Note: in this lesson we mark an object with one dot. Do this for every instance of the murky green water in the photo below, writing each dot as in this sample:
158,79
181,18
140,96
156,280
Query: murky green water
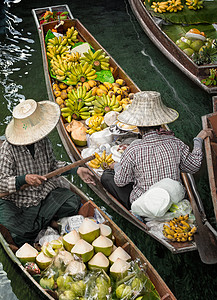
114,26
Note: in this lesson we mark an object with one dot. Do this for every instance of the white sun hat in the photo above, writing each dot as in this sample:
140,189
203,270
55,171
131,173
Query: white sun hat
32,121
147,109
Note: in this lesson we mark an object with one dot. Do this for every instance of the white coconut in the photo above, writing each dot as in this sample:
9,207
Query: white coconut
70,239
63,258
119,268
26,253
89,230
43,261
119,253
103,244
83,249
75,267
99,261
105,230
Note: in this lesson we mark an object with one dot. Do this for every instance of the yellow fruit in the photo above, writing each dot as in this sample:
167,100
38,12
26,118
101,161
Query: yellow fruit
100,92
69,89
57,93
59,100
64,94
63,86
56,87
86,84
92,83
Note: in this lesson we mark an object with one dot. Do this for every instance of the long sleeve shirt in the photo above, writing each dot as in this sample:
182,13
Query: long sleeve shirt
153,158
16,161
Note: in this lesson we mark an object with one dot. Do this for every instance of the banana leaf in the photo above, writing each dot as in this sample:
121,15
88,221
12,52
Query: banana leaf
175,32
205,15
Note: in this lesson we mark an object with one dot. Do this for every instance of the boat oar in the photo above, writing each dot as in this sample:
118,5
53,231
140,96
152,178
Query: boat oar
58,171
204,237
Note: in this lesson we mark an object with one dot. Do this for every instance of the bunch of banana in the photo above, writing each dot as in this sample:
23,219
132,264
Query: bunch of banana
179,230
104,104
71,36
96,124
71,56
79,72
75,110
159,7
98,59
174,6
81,95
103,161
194,4
54,50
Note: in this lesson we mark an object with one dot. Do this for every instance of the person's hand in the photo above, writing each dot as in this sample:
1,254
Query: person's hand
205,133
34,179
86,175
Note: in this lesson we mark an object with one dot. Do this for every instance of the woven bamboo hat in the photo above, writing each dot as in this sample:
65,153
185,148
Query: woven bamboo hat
147,109
32,121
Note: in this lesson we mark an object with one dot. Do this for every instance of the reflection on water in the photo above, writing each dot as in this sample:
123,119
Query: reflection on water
15,52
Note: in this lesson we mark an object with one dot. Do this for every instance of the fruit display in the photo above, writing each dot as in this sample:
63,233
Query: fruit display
194,4
50,16
174,6
102,161
179,229
211,80
86,264
96,123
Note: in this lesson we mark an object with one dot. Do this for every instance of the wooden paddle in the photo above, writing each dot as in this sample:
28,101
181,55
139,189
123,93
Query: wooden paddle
58,171
205,238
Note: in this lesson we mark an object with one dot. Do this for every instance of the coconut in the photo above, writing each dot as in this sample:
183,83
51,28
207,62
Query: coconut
103,244
63,258
98,261
89,230
119,268
26,253
43,261
83,249
119,253
75,267
70,239
105,230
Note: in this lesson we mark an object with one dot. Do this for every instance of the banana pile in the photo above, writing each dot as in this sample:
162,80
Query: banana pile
58,45
81,95
167,6
96,124
101,161
194,4
104,104
75,110
179,230
98,59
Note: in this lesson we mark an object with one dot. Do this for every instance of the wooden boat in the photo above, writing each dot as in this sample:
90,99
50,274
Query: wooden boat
74,151
121,239
150,26
210,121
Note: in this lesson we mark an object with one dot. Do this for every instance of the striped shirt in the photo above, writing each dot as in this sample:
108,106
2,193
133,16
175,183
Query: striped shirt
17,161
154,157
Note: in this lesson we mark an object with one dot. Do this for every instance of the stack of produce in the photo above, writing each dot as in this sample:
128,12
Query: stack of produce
77,130
179,229
95,124
103,161
85,264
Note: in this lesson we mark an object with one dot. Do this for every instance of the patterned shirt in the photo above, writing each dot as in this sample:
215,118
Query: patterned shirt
154,157
18,161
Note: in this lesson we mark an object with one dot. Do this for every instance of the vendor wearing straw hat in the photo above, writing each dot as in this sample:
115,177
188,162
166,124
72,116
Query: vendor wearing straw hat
154,157
24,157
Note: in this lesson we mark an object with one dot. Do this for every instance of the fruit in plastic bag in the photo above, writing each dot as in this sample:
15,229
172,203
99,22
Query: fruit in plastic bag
124,291
64,282
78,288
47,283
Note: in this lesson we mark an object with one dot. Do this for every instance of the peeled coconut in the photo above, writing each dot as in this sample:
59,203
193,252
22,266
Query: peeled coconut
105,230
119,268
119,253
26,253
83,249
89,230
43,261
70,239
63,258
103,244
75,267
98,261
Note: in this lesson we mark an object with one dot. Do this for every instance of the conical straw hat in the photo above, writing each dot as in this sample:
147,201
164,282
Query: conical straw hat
32,121
147,109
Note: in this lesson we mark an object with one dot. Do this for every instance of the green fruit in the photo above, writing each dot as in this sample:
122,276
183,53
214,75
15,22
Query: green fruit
124,292
196,45
64,282
78,288
182,45
188,51
67,295
136,284
47,283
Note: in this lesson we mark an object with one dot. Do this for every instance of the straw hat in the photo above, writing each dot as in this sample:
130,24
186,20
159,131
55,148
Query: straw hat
32,121
147,109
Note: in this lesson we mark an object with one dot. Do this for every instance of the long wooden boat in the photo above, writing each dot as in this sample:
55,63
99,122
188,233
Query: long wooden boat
210,121
89,208
151,27
74,151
